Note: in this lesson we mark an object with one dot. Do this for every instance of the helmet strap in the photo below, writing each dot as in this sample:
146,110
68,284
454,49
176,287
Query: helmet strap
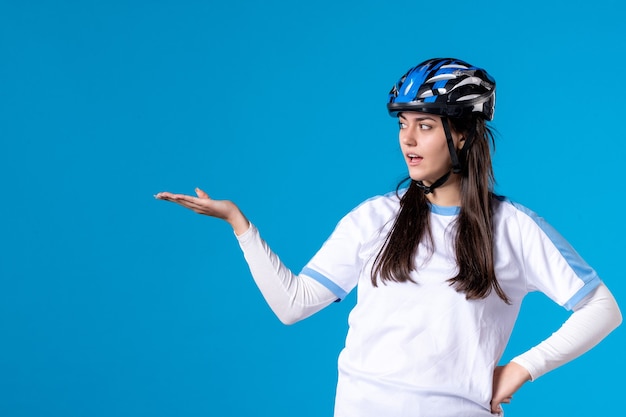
456,166
430,188
457,162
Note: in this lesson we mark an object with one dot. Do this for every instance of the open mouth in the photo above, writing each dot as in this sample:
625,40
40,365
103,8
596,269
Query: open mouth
413,157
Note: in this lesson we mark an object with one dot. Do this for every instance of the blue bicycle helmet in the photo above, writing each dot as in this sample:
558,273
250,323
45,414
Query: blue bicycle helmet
444,86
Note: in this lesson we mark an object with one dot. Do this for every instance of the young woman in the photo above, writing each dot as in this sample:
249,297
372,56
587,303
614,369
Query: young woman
440,267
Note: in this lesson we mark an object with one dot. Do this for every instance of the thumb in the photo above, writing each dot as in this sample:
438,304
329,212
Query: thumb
201,194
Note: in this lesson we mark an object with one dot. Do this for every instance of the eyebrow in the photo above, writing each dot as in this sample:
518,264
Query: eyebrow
419,119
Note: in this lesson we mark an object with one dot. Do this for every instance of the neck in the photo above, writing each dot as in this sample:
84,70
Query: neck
449,194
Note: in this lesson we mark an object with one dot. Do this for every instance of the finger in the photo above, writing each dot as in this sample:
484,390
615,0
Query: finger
199,205
162,195
171,196
182,199
201,194
185,201
167,197
496,408
189,206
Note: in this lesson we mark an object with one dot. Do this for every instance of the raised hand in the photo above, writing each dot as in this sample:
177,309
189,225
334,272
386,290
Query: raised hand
203,204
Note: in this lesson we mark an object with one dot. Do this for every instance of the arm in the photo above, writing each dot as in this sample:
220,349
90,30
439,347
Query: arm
291,297
594,317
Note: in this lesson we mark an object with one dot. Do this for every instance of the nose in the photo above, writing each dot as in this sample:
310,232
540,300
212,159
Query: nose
408,137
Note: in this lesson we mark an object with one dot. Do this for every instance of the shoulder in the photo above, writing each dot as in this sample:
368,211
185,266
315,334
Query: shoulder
373,214
385,202
510,215
377,208
507,209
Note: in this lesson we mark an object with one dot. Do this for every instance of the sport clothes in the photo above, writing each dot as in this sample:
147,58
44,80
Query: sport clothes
593,319
423,347
415,348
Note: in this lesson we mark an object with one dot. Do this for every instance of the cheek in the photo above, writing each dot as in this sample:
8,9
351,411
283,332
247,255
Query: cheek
443,158
437,147
440,155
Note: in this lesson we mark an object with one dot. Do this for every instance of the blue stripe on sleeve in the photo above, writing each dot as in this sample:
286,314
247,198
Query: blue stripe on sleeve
585,272
582,293
334,288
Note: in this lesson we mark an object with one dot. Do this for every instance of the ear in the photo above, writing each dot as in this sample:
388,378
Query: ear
460,143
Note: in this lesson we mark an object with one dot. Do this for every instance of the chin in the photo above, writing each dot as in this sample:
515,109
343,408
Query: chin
416,176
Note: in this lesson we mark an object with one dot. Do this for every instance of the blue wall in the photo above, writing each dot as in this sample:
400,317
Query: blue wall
114,304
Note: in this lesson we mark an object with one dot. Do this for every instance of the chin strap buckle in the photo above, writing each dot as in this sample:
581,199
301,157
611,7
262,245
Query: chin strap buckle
429,189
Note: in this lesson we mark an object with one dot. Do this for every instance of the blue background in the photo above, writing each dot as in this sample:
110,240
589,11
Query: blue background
112,303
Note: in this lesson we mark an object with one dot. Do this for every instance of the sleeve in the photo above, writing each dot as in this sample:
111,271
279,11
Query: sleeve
551,264
291,298
341,259
593,319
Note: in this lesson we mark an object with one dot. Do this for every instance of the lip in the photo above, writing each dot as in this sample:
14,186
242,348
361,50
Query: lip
413,159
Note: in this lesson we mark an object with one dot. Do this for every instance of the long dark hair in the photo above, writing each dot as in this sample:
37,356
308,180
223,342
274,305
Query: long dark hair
474,225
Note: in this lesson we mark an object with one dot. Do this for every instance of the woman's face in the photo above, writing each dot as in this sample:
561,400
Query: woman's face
424,146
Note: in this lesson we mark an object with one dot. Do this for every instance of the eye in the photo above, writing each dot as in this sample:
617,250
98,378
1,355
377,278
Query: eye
402,125
424,126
